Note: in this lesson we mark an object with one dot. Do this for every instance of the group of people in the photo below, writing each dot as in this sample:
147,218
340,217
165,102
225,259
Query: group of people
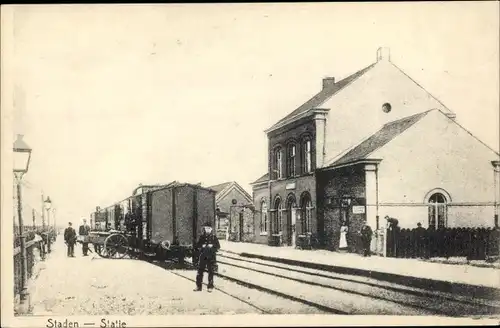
366,238
366,234
208,245
71,238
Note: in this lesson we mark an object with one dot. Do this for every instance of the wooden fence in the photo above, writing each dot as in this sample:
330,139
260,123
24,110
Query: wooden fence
473,243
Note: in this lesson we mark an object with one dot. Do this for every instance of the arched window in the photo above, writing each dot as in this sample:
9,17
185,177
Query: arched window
437,210
263,216
306,156
306,213
278,216
291,159
278,163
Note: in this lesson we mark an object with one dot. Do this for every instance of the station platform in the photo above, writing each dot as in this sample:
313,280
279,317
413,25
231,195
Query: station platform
416,272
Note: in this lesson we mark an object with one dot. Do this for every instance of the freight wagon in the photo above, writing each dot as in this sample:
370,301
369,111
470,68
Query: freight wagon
163,222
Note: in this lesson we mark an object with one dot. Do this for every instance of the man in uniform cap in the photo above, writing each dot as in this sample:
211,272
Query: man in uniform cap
84,231
70,239
207,246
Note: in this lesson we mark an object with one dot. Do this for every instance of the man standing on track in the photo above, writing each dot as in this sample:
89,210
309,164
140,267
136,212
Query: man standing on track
70,239
207,247
84,231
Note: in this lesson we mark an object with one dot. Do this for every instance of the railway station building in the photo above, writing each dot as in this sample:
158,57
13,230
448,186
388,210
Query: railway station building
371,145
233,212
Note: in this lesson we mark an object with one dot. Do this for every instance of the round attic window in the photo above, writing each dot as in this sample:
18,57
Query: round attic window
234,201
386,108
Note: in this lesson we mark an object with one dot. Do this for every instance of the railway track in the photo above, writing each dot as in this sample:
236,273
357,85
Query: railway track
243,297
358,295
332,293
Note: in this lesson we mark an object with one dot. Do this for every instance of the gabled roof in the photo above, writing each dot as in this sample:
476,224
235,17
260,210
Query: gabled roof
331,90
388,132
321,97
263,178
218,188
224,188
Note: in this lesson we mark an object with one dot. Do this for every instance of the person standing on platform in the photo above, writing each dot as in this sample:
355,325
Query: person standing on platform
366,238
207,247
420,241
84,231
70,239
343,237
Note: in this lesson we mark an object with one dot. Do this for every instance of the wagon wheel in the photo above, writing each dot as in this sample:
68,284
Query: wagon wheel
115,246
100,250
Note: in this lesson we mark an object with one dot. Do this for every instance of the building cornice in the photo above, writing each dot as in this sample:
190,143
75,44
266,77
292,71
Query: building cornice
356,162
293,119
261,183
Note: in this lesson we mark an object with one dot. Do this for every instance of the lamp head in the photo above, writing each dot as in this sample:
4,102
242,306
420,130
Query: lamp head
48,203
22,156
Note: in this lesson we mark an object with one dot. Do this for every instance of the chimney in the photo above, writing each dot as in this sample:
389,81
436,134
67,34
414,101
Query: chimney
328,82
383,54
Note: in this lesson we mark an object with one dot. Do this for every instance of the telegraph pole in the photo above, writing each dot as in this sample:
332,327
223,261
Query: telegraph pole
33,213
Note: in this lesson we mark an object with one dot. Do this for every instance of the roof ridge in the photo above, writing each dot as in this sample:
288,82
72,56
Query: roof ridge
364,139
409,116
360,72
348,149
404,128
470,133
334,89
259,178
222,183
421,87
230,185
401,132
246,193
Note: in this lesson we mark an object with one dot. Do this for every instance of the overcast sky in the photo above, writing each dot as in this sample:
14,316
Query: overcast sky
112,96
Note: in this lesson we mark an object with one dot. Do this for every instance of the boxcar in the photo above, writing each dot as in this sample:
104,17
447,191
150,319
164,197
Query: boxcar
163,222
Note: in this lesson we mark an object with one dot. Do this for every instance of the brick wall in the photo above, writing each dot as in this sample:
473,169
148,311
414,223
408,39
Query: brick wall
332,185
242,224
294,189
260,193
226,202
293,132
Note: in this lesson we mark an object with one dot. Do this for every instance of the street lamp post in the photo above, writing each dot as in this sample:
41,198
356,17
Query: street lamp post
48,205
55,221
22,156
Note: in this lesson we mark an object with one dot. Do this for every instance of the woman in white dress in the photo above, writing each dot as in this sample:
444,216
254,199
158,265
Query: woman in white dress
343,237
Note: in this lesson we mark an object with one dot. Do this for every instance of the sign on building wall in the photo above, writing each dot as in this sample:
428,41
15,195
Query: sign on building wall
290,186
358,210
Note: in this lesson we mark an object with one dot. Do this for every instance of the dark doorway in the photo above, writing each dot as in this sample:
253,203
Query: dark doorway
290,221
241,226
